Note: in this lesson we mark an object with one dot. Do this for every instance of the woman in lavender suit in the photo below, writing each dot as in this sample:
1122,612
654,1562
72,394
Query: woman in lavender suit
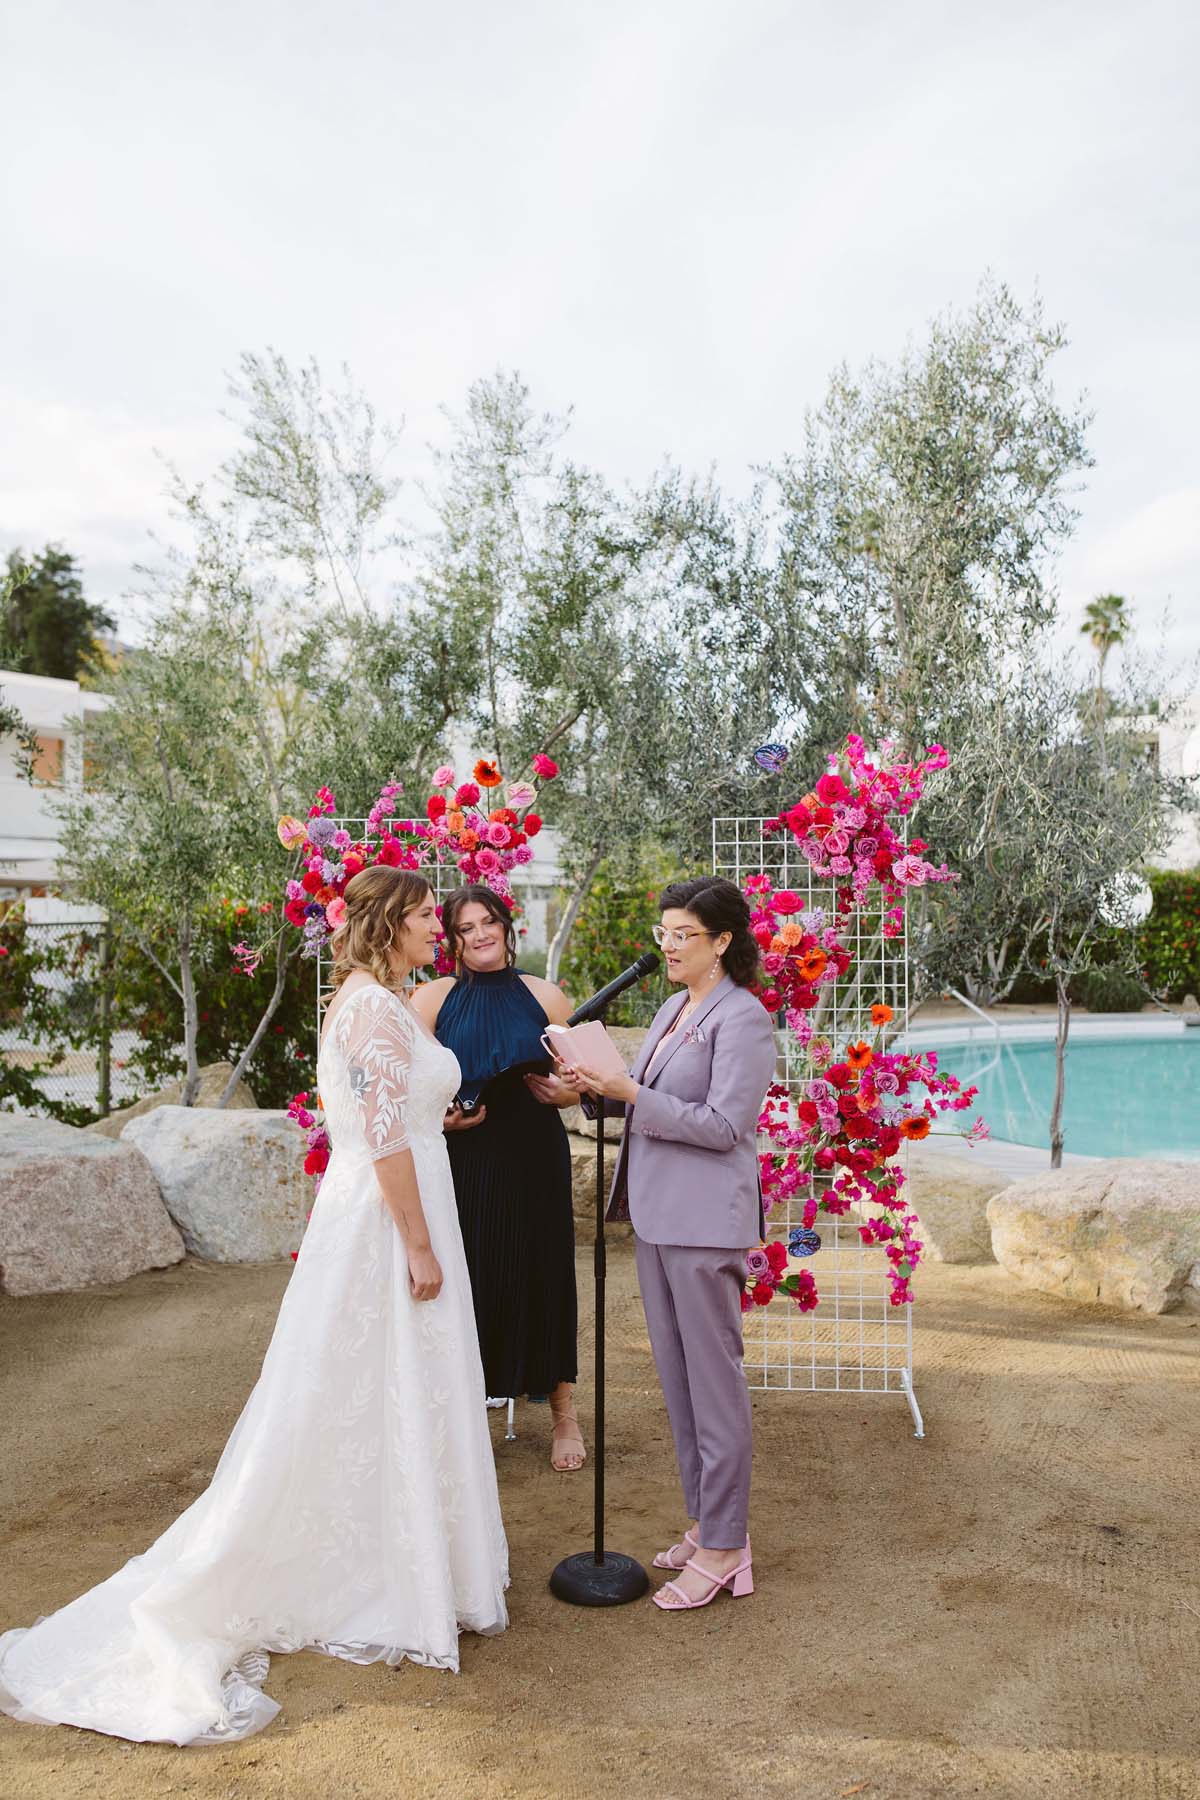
687,1176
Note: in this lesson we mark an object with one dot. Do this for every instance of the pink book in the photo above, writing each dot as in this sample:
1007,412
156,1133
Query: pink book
588,1044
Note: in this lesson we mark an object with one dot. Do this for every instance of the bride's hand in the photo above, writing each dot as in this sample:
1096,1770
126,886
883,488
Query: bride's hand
457,1120
424,1274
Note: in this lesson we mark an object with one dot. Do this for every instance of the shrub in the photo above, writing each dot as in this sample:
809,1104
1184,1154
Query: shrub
612,931
1111,990
1169,941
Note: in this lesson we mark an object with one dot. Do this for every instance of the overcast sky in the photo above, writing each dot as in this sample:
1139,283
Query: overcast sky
676,216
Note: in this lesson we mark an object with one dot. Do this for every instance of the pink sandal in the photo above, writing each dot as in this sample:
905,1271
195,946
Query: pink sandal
739,1581
666,1558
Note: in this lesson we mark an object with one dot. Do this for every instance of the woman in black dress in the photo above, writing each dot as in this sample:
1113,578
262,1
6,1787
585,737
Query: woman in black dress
510,1160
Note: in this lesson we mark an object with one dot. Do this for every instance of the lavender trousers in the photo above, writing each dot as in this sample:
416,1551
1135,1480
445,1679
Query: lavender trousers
693,1302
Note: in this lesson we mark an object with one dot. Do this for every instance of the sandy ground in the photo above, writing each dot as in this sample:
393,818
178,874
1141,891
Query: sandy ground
1011,1607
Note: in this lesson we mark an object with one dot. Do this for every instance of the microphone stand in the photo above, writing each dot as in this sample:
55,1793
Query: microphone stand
599,1577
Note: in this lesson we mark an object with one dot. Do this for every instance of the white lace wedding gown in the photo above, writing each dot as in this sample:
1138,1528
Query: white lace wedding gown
354,1508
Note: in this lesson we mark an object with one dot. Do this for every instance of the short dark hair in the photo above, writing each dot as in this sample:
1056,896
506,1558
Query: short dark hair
720,906
495,908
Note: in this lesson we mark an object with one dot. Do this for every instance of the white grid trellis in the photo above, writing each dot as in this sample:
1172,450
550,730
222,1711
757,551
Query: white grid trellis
854,1341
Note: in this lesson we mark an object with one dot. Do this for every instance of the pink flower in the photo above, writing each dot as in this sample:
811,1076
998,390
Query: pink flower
467,794
840,865
486,861
523,854
443,777
520,794
786,902
335,913
544,767
497,834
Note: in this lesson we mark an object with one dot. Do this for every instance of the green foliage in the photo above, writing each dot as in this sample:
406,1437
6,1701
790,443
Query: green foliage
48,626
49,998
1169,940
1110,990
613,929
228,1007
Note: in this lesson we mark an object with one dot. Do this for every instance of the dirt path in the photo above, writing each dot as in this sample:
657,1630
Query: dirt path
1010,1608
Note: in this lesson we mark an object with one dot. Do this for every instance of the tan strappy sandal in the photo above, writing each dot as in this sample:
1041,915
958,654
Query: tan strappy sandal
566,1460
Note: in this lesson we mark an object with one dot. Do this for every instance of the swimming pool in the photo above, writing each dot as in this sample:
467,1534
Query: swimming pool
1128,1094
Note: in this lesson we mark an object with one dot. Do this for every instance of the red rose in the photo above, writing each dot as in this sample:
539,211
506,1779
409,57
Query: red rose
391,854
317,1161
763,1293
777,1257
532,824
772,999
545,767
832,789
435,806
839,1076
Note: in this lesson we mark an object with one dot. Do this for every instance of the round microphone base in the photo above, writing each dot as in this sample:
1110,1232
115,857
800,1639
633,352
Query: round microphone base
582,1581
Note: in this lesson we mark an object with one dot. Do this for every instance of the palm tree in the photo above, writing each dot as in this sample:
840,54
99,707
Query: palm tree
1106,624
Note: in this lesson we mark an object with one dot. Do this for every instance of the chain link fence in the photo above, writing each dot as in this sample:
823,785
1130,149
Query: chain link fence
59,1053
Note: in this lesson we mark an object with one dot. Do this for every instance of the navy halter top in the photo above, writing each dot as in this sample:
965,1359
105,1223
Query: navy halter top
492,1023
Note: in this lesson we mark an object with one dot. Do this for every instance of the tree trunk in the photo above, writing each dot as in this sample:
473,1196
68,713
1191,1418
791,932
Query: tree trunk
283,962
1060,1070
191,1019
562,937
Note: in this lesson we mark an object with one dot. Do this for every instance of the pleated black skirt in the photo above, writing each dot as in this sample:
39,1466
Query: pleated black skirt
512,1181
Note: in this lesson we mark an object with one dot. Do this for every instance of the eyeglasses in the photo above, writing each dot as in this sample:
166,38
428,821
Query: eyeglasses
674,940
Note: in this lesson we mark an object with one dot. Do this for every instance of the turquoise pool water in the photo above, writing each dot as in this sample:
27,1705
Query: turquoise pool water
1128,1096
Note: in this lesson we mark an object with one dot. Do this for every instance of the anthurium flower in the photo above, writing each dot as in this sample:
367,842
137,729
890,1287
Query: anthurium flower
520,794
290,832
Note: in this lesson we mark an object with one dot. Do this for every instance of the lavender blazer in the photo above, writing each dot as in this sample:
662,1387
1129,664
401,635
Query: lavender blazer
687,1172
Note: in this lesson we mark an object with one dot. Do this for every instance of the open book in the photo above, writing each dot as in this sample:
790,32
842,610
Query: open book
588,1044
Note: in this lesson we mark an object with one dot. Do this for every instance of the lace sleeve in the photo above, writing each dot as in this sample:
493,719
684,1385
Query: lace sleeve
375,1038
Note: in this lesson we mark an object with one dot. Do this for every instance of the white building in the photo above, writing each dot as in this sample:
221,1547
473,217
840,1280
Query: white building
1175,746
29,846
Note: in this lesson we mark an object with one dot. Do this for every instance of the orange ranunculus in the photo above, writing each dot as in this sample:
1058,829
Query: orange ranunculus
455,820
487,774
812,964
916,1128
860,1055
790,932
469,840
881,1014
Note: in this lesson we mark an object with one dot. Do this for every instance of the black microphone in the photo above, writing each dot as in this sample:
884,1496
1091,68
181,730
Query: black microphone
595,1007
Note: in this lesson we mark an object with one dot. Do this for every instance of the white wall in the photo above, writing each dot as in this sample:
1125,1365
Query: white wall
29,846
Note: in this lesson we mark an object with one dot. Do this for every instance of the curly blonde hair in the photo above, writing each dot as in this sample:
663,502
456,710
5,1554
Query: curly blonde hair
378,900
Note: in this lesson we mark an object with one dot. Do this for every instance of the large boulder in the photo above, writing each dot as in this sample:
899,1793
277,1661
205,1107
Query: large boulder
1111,1233
213,1080
950,1196
583,1189
233,1182
76,1210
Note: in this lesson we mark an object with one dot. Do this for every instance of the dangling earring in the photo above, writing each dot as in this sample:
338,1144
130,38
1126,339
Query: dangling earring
715,968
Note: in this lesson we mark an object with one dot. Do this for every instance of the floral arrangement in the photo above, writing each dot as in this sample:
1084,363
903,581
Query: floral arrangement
844,828
487,843
835,1139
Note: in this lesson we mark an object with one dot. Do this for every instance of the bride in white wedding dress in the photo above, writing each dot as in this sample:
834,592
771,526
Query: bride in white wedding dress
354,1509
